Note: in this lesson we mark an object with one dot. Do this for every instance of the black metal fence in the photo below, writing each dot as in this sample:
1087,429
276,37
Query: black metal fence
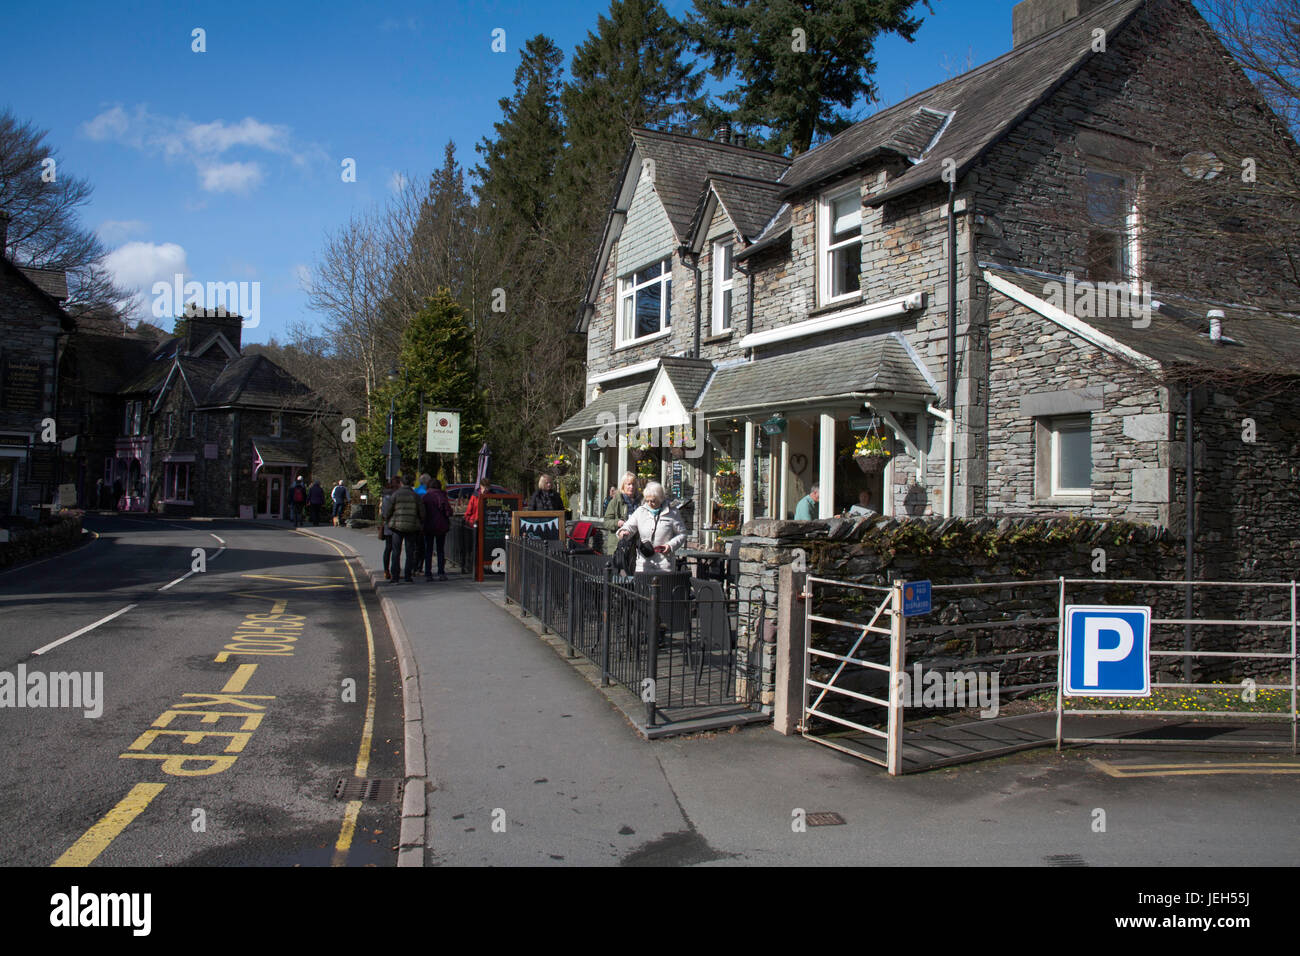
462,545
688,648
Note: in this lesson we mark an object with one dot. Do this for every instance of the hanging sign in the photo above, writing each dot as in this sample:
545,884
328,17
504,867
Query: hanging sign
442,433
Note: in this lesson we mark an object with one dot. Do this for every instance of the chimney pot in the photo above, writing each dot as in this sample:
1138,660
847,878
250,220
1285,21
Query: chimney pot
1216,326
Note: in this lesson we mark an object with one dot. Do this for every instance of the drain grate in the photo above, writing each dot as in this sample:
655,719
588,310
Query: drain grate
369,789
828,818
1064,859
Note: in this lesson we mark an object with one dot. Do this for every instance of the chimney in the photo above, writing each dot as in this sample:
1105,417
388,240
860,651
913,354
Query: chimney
722,133
1216,326
1031,19
199,324
4,232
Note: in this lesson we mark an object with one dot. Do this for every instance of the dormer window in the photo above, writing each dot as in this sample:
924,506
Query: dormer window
723,282
645,303
839,245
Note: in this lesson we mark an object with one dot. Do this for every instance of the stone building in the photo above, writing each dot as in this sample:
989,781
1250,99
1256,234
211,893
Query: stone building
35,327
978,278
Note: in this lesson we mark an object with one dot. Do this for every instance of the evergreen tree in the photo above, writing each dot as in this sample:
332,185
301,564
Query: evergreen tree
797,64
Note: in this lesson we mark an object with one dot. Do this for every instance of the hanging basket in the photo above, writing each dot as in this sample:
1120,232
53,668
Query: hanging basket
727,482
677,451
561,468
871,464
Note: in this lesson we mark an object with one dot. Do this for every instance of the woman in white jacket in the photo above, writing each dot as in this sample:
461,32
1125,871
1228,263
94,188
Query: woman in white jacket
657,525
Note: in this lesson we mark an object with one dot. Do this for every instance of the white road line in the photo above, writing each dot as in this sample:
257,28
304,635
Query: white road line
88,627
172,584
219,538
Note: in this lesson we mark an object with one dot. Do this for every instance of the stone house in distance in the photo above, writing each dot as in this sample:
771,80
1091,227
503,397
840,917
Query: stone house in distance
979,277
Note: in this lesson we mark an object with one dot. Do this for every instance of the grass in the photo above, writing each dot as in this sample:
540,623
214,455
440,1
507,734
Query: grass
1230,697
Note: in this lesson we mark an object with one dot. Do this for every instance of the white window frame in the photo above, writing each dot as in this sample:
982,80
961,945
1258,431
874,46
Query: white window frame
171,470
826,251
625,320
1055,427
169,425
723,250
193,422
277,424
1130,266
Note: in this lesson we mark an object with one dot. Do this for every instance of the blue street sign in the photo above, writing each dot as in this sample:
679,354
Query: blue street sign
1107,651
916,598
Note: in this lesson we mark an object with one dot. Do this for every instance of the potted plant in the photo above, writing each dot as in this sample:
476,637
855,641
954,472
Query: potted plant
725,476
872,453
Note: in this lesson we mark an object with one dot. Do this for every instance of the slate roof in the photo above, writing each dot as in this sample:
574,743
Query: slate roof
880,364
984,104
778,229
105,362
587,420
24,277
750,203
53,282
254,380
683,164
279,451
1178,337
688,376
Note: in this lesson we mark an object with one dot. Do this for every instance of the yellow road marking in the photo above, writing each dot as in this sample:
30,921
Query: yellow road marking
239,680
344,842
96,840
1187,770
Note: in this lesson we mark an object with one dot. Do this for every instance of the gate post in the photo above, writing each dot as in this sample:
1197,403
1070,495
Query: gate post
1060,658
787,716
897,662
605,624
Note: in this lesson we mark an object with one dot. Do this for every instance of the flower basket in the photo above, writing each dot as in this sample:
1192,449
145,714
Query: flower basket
871,464
729,482
561,465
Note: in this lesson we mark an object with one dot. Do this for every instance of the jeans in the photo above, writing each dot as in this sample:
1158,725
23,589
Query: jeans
431,541
403,539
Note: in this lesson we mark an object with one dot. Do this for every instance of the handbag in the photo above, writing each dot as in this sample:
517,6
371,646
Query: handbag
625,554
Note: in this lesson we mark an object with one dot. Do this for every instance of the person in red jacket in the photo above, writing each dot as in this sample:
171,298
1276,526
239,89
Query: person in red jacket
475,507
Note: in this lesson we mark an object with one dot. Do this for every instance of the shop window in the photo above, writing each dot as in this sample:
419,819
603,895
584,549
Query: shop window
1064,450
723,282
1112,226
176,481
839,243
645,302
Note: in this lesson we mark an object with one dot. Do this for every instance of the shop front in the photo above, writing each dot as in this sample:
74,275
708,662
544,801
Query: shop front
276,463
130,473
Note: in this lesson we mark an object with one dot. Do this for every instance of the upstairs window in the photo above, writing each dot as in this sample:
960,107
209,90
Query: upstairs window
1112,226
134,421
840,245
645,302
169,425
277,424
723,282
193,423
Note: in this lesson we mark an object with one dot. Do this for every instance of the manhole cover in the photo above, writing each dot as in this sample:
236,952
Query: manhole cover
1064,859
827,818
370,789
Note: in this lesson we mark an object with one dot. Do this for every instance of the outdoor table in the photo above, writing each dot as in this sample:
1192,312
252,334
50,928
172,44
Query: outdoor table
701,557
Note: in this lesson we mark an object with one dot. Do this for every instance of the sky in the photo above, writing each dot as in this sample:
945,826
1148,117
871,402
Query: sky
227,165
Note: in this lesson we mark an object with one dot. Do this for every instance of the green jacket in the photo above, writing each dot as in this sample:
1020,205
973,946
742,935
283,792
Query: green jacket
405,511
615,512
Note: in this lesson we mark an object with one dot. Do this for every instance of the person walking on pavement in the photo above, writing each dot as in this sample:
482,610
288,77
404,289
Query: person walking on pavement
338,495
297,501
404,513
659,530
385,532
545,498
437,520
315,501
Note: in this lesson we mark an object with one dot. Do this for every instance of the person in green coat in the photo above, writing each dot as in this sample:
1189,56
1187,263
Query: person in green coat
622,504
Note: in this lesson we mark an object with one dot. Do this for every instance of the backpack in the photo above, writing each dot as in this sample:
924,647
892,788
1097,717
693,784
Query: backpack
298,496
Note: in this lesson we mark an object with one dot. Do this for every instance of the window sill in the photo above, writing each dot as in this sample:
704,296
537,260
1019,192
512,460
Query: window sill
836,304
642,341
717,337
1065,500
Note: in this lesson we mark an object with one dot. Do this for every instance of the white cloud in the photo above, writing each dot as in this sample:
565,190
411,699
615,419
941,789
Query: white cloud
230,177
113,231
138,265
202,144
302,275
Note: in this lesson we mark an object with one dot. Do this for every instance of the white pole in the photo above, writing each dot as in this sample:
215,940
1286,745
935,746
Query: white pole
897,662
826,467
748,510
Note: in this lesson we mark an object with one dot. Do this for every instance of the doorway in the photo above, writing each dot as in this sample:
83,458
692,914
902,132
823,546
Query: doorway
270,493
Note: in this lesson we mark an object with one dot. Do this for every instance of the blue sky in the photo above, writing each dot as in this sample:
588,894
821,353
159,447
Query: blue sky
225,165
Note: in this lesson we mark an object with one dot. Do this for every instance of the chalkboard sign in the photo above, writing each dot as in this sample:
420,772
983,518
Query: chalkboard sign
493,527
23,385
675,491
542,525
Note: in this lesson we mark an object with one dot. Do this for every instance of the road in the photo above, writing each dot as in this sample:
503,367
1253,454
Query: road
244,672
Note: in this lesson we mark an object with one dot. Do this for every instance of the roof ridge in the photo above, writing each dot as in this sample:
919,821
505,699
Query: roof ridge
699,140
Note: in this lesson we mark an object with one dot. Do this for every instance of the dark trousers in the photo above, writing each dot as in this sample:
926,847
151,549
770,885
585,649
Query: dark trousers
315,514
403,539
432,541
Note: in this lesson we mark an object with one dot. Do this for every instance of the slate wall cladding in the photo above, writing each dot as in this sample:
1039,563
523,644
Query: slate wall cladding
1030,356
602,353
30,328
1160,81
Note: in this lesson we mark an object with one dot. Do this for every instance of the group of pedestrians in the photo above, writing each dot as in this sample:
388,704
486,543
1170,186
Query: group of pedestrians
414,520
309,500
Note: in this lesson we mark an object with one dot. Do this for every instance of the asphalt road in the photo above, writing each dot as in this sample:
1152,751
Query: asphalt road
233,699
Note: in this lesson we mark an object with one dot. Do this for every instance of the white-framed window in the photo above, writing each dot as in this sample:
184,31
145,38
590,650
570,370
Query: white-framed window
176,481
194,420
645,302
134,421
839,244
169,425
1112,225
277,424
1070,450
723,282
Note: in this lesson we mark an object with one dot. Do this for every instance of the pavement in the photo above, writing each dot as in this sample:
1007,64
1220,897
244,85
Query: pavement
521,761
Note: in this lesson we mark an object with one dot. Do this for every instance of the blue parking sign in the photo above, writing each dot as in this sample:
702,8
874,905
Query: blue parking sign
1107,651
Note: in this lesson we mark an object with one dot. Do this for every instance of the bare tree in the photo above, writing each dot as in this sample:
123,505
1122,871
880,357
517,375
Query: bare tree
42,199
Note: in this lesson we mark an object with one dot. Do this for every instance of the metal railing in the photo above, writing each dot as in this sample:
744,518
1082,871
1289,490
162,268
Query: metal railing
679,644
